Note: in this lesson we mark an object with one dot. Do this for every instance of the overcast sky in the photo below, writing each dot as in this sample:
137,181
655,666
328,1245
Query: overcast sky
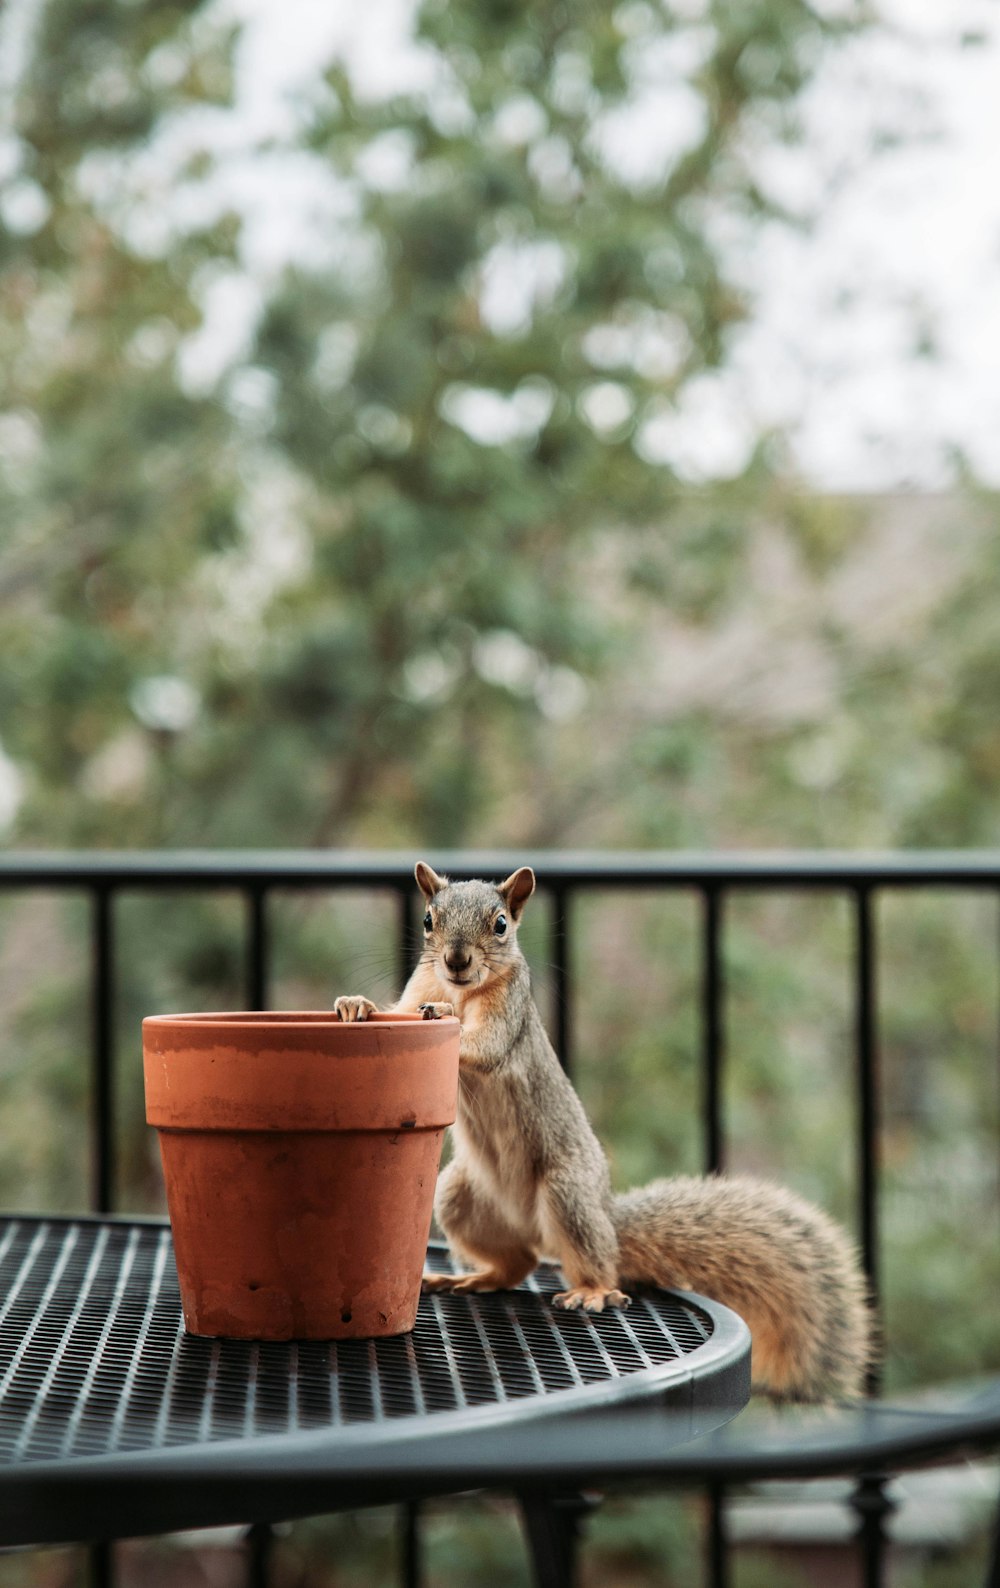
904,247
898,173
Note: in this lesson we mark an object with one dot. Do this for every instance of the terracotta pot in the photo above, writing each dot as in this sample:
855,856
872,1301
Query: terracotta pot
300,1156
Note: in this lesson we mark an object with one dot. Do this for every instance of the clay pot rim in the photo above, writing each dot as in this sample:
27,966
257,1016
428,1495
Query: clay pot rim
282,1019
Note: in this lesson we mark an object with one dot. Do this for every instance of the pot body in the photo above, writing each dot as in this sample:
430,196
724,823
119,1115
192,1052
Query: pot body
300,1156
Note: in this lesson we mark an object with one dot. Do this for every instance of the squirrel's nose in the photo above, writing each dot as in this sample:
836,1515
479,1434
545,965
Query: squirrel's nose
457,957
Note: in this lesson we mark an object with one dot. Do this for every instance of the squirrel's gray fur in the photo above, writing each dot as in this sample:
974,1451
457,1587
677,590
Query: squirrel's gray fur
528,1177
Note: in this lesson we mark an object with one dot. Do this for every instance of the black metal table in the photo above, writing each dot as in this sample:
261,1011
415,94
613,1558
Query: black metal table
115,1423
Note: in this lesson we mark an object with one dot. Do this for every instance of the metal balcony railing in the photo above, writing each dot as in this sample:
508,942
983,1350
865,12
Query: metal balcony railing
713,879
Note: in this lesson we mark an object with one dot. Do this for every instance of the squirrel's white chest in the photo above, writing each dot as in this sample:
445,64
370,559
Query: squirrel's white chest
492,1144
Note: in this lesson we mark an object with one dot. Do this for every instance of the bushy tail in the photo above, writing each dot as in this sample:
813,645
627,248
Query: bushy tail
788,1270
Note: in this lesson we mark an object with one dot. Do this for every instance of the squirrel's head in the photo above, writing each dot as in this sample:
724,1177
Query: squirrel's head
470,928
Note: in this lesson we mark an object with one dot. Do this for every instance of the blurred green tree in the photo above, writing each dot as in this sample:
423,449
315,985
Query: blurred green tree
354,588
116,485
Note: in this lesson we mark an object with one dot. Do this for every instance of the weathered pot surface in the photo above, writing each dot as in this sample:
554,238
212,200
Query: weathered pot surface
300,1156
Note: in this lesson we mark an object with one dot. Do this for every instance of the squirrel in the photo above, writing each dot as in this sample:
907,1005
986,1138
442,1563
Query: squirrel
529,1178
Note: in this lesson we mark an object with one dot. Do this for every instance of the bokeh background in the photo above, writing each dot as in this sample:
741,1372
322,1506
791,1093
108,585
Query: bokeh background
516,425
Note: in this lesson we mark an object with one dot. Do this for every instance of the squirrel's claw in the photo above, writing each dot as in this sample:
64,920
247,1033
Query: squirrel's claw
590,1300
436,1011
354,1008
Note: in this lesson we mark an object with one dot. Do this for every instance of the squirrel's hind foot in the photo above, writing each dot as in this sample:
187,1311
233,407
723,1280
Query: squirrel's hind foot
482,1281
590,1300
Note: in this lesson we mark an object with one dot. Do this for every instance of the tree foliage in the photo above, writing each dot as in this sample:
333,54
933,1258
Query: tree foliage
368,561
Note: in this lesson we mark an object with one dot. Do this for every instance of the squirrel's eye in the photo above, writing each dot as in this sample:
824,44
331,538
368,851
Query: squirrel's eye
428,922
500,925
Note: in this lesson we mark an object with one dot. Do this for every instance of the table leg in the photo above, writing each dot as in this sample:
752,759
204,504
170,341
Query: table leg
259,1542
101,1565
552,1526
411,1563
873,1507
717,1538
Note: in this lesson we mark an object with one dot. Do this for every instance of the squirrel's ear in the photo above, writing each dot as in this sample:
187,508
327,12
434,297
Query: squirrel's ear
517,890
428,880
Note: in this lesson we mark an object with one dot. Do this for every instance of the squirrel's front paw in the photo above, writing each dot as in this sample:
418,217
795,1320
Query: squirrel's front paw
436,1011
590,1300
354,1008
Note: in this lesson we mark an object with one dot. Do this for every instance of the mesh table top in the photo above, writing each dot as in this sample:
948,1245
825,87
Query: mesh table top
95,1366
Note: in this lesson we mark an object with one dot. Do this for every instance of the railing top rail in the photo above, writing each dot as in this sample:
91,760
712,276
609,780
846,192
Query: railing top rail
580,868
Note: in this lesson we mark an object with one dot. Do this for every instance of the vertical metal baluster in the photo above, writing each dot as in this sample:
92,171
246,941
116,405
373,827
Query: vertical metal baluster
259,1537
100,1557
713,1038
408,935
867,1089
713,1029
102,1175
257,948
561,948
869,1500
